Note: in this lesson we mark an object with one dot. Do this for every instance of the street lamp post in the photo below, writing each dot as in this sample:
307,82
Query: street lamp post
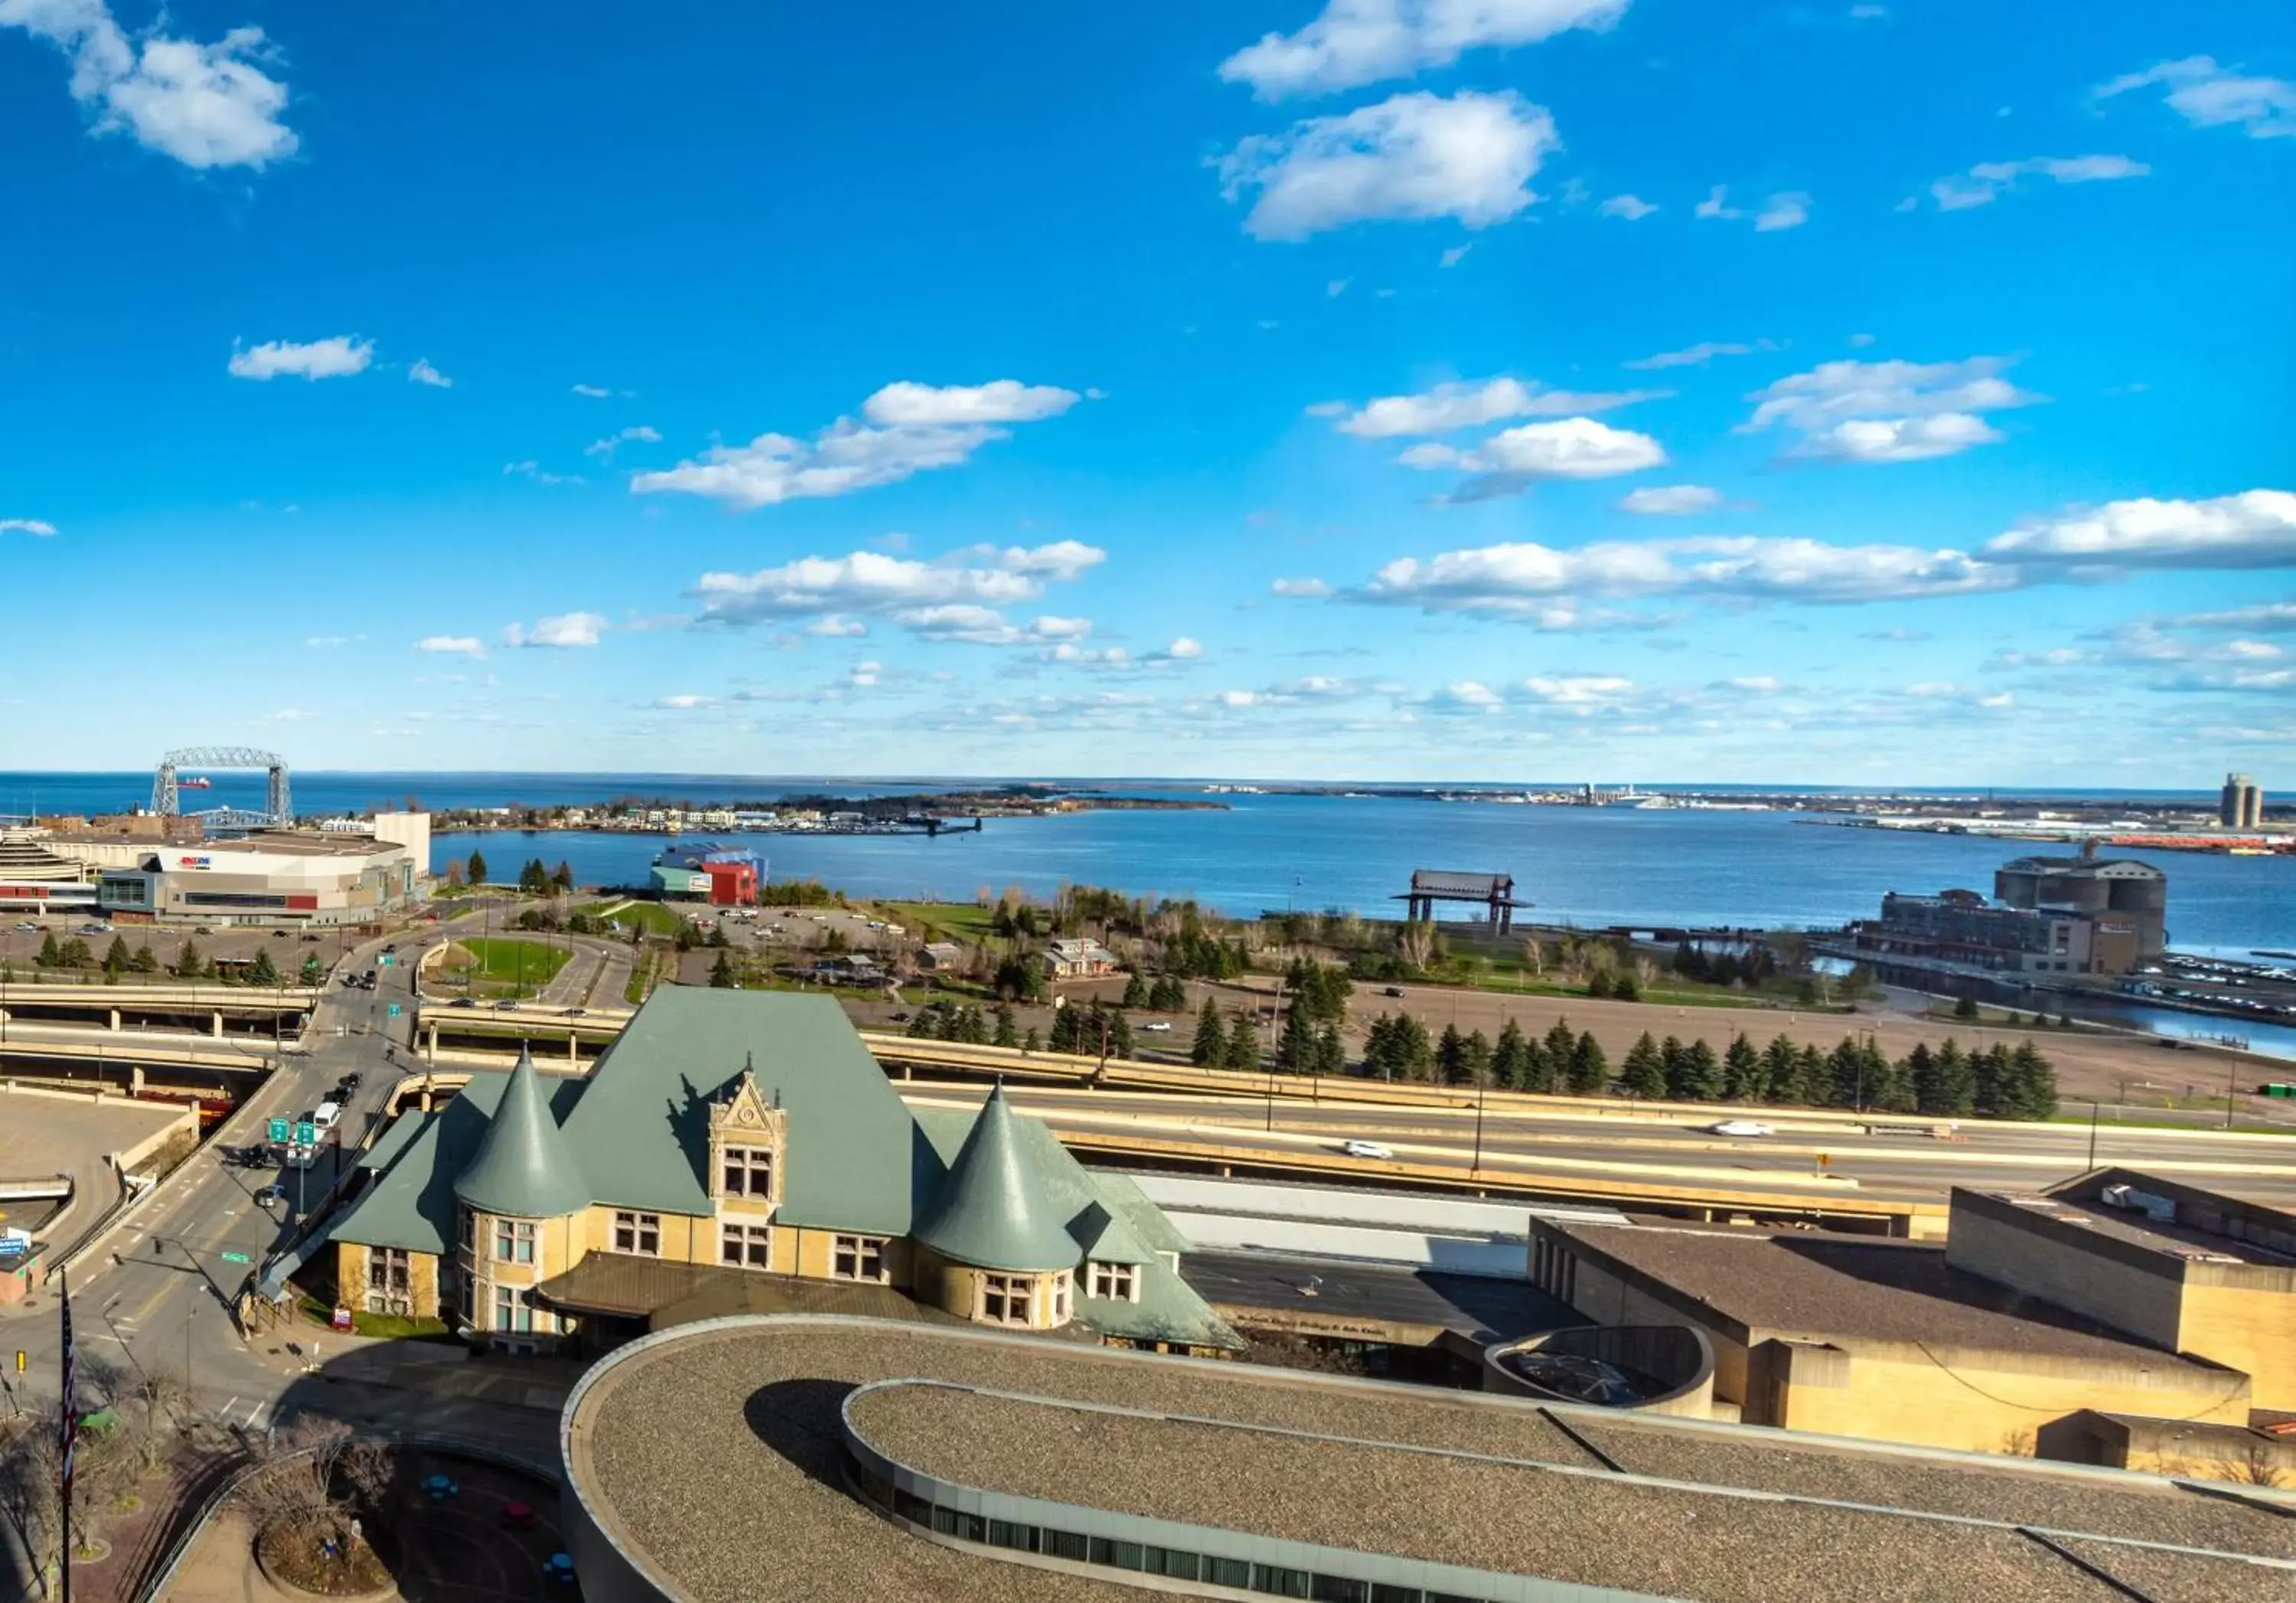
2091,1132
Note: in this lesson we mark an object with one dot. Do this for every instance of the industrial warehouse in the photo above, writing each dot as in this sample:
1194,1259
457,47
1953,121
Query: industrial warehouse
2049,915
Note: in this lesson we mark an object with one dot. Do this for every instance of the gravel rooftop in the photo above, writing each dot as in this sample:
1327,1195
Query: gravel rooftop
1845,1288
716,1457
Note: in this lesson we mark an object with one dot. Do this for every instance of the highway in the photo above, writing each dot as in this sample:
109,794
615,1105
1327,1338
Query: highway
1823,1159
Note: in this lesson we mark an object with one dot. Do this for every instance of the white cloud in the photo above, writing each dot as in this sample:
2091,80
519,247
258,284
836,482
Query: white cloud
1509,462
1299,588
684,703
531,469
1699,355
1183,650
834,628
1456,254
1464,695
2274,615
1461,406
1715,206
913,428
2207,96
971,624
336,356
35,526
1580,691
287,715
593,391
1631,207
1415,156
1756,683
452,645
1524,580
328,642
1987,181
206,105
1877,412
2255,529
1672,501
913,593
1900,438
567,630
1355,41
1789,209
1001,400
422,373
604,450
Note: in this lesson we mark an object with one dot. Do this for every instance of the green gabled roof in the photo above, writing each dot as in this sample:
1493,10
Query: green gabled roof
523,1167
995,1211
410,1202
641,1131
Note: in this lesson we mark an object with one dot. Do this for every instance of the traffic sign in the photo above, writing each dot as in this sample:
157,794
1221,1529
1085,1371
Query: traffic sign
21,1360
276,1131
234,1257
385,961
307,1134
394,1010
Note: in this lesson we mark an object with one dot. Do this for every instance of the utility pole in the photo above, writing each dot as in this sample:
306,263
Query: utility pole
2091,1132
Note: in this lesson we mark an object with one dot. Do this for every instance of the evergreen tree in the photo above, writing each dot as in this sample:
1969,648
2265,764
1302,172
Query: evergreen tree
1810,1081
50,954
1451,1056
1007,1033
925,1023
1623,989
1330,1052
1297,1045
1845,1075
1702,1073
188,960
1511,1058
1966,1007
1673,1060
1922,1079
1119,1035
1561,1045
721,973
1242,1052
115,956
1598,983
1643,1071
1475,1059
262,971
1989,1070
1779,1076
476,870
1590,1069
562,878
2032,1084
1956,1080
1136,992
1210,1048
1741,1070
145,961
1032,1041
314,971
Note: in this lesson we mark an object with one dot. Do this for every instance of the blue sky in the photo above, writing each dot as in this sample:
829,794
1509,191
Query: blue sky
1400,389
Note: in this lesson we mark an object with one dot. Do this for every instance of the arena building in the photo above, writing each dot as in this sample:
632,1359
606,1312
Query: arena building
271,877
848,1460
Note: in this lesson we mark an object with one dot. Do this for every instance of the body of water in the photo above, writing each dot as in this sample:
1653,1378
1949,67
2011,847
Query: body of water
1587,866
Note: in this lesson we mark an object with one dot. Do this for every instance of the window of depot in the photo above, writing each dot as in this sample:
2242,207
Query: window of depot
638,1233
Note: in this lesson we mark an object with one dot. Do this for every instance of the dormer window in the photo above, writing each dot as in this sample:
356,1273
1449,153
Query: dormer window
749,1171
1113,1283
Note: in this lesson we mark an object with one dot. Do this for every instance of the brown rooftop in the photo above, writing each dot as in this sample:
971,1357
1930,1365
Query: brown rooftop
711,1455
1850,1288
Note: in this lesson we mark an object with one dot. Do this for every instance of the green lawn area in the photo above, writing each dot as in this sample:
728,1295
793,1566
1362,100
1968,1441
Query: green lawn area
499,968
654,917
953,920
387,1326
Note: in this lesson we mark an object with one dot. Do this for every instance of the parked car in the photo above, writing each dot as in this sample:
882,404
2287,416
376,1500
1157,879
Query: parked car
310,935
202,929
29,927
1741,1127
1158,1026
1366,1149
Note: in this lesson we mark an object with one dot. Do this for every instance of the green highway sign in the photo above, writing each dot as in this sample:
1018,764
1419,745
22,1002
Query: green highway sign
385,961
276,1131
307,1134
394,1010
234,1257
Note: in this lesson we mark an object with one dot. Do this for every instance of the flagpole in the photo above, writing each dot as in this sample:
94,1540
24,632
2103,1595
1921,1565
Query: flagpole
67,1431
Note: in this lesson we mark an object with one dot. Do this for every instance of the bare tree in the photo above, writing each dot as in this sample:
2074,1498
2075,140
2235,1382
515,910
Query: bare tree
1414,942
1534,958
315,1475
1645,973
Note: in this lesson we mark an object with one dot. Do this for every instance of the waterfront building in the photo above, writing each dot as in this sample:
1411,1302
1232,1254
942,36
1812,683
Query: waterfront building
2114,1294
743,1150
725,876
2111,891
2242,803
852,1460
1961,927
274,876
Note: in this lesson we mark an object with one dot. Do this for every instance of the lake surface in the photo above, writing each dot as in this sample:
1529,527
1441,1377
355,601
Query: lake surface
1588,866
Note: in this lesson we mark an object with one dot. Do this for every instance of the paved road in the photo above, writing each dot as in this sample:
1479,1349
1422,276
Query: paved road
1879,1166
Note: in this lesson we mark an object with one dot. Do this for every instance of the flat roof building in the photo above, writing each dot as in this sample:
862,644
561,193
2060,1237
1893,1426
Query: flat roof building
272,878
851,1460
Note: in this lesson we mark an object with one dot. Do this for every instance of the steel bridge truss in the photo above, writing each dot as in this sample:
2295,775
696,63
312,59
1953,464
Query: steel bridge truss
278,807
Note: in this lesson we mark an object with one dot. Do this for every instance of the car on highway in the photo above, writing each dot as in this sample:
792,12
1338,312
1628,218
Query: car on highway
1741,1127
390,946
271,1196
350,1081
28,925
1392,990
572,1012
1158,1026
310,936
1366,1149
463,1002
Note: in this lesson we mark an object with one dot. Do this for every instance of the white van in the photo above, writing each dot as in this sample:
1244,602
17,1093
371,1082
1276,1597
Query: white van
327,1113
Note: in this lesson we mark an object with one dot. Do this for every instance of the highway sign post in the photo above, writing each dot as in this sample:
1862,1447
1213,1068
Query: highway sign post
234,1257
307,1134
394,1010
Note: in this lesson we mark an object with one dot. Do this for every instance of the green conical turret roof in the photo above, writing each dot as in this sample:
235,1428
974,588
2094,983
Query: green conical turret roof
522,1168
994,1210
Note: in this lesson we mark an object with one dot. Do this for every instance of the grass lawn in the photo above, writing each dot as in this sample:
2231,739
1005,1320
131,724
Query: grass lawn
386,1326
499,968
654,917
954,920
